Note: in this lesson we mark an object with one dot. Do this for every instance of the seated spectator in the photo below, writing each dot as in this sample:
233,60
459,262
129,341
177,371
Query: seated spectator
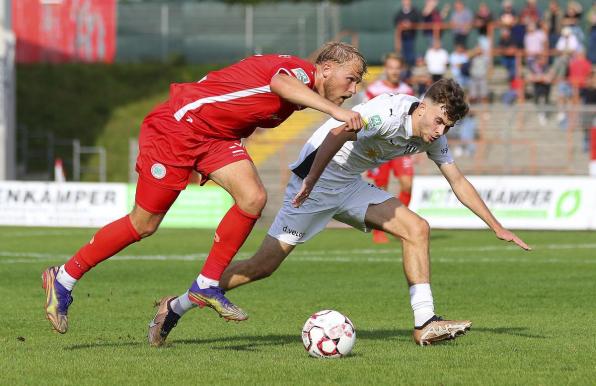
465,130
552,20
580,70
436,59
572,19
421,77
478,76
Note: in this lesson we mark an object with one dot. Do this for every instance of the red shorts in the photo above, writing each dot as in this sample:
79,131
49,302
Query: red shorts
401,166
169,152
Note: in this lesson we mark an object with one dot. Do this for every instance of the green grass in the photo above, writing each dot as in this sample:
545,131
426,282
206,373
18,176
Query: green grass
533,313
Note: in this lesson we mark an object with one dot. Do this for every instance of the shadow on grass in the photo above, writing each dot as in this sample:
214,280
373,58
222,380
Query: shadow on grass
514,331
247,342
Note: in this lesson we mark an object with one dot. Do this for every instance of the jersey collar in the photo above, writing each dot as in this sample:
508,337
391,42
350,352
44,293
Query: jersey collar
408,120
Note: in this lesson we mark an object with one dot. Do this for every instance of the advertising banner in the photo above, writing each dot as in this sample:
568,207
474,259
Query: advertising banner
64,30
518,202
61,204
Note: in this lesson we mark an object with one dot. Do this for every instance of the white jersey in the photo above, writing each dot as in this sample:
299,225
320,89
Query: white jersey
386,135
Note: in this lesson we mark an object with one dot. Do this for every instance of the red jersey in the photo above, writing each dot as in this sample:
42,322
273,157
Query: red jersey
232,102
381,86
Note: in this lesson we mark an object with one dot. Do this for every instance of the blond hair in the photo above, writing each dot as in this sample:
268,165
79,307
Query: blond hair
341,53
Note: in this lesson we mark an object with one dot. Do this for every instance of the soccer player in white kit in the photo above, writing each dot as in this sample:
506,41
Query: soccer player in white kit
327,183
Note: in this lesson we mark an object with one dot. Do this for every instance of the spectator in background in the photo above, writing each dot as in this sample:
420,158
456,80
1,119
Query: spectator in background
535,42
553,18
592,39
462,20
580,70
508,17
530,13
507,50
478,88
572,19
459,64
436,59
432,15
405,18
481,20
540,79
421,77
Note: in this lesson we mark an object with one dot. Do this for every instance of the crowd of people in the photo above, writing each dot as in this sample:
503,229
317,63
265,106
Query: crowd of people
541,49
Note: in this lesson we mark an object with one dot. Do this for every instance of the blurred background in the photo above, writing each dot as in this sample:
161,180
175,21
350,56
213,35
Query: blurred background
78,77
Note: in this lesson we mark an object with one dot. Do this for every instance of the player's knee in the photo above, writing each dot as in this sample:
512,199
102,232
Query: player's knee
253,203
145,227
420,229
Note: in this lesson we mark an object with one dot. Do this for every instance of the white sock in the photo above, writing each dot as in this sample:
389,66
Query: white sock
182,304
421,299
205,282
65,279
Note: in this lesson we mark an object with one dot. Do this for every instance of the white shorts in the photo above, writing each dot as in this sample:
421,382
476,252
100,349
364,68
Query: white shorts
347,204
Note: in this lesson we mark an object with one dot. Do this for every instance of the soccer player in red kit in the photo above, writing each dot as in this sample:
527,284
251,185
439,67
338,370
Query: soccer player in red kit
199,128
402,167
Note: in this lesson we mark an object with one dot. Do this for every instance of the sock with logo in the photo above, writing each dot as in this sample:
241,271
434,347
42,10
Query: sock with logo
65,279
405,198
421,299
231,233
108,241
182,304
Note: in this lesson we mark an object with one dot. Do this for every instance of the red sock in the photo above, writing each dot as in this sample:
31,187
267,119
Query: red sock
405,198
108,241
231,233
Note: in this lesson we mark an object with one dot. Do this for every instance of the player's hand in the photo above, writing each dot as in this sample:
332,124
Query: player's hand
353,120
511,237
304,192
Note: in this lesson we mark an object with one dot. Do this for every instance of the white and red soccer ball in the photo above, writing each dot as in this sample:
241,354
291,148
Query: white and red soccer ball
328,334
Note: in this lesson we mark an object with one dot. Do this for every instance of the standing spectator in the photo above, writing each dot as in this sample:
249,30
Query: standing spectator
481,21
436,59
572,19
459,64
553,18
592,41
465,130
580,70
566,46
405,18
421,77
530,13
478,76
432,15
535,42
540,79
461,22
508,16
508,50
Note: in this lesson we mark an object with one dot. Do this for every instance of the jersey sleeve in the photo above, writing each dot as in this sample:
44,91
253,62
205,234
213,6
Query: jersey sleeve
377,119
299,69
439,151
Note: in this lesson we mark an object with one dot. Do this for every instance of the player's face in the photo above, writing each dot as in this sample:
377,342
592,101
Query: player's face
432,121
393,71
341,80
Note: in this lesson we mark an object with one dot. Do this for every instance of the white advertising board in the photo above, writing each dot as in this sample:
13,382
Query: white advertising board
61,204
518,202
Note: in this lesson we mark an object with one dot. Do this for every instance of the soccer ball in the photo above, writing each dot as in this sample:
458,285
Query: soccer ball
328,334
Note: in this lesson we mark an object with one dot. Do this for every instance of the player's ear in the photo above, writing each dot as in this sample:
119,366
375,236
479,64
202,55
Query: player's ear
327,69
421,108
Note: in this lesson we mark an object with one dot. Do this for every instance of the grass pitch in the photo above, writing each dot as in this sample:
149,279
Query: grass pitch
533,312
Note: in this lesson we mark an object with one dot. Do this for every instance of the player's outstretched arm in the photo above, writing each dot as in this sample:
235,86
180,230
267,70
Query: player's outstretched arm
467,195
332,143
294,91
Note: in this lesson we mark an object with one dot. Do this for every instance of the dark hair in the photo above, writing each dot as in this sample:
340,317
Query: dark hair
449,93
341,53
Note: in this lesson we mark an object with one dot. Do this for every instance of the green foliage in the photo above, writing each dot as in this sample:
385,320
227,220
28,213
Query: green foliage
76,101
531,312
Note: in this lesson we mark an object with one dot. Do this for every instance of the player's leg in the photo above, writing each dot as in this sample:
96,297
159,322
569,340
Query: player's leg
59,282
403,170
414,232
241,180
380,177
266,261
